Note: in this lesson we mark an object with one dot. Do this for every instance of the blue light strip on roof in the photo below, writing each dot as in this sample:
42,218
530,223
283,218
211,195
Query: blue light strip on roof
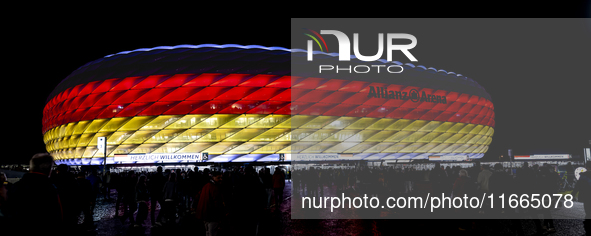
203,46
265,48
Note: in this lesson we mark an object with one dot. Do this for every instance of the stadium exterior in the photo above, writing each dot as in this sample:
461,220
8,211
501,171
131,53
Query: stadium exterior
242,104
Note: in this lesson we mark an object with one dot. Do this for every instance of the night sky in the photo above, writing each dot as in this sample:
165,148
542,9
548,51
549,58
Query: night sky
540,86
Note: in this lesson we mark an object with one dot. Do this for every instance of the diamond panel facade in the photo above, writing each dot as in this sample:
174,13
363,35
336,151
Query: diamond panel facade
256,116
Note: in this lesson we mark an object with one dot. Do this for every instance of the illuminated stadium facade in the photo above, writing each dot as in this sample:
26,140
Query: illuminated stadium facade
242,104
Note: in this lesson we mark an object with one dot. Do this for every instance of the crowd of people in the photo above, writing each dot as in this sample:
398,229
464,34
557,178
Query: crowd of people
449,181
55,198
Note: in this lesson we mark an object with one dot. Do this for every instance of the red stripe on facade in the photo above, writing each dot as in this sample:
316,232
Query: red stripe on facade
255,94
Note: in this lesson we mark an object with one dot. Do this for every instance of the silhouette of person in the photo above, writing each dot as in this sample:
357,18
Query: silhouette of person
35,200
210,208
278,186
